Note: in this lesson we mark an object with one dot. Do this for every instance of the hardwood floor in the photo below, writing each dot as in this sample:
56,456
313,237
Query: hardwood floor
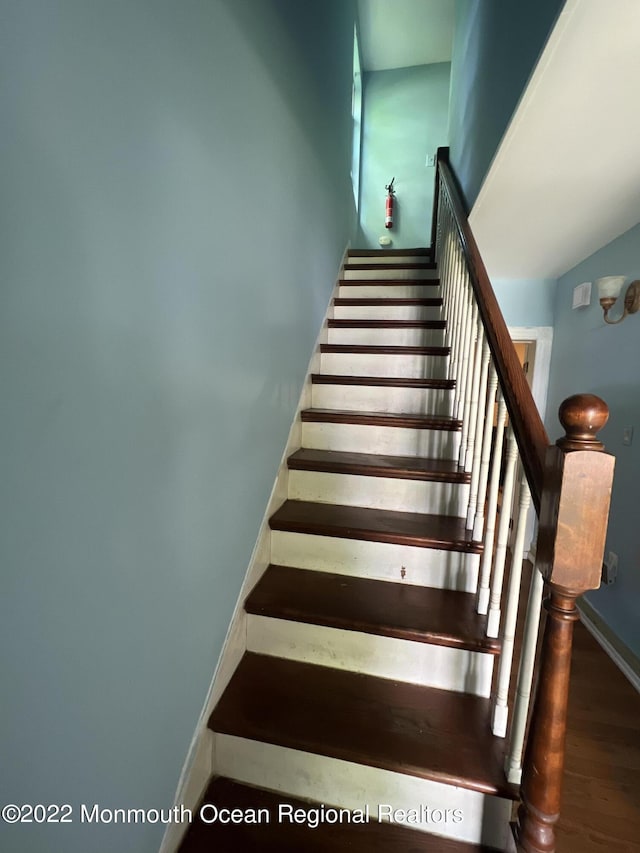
601,789
600,810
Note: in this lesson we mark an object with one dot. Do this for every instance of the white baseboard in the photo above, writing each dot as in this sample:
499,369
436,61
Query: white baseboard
621,655
200,762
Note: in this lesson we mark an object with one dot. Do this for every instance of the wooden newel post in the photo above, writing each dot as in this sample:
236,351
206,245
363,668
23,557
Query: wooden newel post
574,513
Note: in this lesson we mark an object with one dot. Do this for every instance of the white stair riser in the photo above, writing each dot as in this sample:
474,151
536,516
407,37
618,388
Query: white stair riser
378,398
387,337
387,259
385,364
379,492
425,664
391,441
334,782
387,312
387,291
390,274
378,560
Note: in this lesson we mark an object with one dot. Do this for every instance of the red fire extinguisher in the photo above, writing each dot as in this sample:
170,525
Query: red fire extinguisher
388,213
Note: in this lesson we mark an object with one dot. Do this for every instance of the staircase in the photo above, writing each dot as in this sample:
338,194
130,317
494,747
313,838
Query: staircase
377,706
366,681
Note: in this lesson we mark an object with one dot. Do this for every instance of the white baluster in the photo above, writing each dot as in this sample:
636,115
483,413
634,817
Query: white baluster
492,506
449,312
446,274
454,293
441,231
478,521
493,622
469,373
460,309
468,322
458,322
443,213
501,709
452,246
525,679
437,249
481,415
471,415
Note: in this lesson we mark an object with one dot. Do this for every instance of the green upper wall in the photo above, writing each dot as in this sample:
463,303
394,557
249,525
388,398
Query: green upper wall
175,203
592,357
405,119
495,48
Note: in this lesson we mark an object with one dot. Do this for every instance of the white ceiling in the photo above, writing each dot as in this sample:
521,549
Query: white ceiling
399,33
566,178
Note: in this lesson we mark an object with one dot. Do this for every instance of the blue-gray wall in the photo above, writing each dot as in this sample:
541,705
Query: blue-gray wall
495,48
175,202
405,118
526,301
590,356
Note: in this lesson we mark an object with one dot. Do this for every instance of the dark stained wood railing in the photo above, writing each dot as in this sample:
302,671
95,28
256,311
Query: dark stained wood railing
530,432
570,485
573,527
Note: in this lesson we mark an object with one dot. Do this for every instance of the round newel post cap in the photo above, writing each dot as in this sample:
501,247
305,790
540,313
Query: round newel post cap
582,417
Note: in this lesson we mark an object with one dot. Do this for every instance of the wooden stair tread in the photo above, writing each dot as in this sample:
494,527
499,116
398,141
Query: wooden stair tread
405,420
285,836
366,349
445,532
391,282
384,381
361,302
418,265
420,731
378,465
387,324
372,253
441,617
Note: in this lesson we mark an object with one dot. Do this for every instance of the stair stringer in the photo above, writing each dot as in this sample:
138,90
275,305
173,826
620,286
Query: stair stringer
200,763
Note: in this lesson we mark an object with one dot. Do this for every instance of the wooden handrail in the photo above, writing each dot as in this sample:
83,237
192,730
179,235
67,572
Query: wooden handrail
570,485
527,424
